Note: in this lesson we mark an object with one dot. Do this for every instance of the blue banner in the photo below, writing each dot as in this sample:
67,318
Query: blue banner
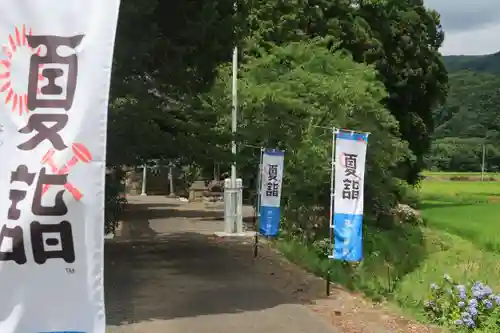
270,192
347,224
348,237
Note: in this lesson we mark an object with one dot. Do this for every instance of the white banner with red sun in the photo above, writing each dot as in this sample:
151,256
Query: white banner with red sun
55,68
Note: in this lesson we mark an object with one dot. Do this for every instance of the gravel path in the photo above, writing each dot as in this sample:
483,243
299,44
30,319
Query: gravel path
167,273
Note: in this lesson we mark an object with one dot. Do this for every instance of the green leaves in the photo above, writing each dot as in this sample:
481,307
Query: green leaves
166,54
289,96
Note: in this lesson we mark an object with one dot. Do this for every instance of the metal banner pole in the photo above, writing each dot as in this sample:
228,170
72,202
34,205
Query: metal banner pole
332,197
257,208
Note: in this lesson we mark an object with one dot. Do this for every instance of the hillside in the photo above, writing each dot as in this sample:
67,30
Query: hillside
485,63
470,117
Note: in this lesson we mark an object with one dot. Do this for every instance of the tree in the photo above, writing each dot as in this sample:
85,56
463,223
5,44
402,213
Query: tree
292,89
165,55
401,38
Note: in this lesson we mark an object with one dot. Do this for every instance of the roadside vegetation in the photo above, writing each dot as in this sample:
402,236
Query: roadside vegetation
456,246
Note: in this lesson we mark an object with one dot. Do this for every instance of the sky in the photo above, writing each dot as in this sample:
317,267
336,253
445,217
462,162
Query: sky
472,27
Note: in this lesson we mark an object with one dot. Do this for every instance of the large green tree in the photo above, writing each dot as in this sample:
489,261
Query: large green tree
166,54
291,96
401,38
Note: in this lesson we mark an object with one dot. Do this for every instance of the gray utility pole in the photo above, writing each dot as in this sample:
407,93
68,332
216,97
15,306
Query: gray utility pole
234,125
482,163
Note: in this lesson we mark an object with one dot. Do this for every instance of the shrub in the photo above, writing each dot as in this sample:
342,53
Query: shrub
469,307
405,214
462,178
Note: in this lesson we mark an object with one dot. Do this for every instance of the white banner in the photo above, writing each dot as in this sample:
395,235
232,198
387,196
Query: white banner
350,160
55,68
272,178
347,222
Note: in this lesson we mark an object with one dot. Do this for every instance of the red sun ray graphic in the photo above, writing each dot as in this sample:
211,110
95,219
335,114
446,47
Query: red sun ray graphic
14,71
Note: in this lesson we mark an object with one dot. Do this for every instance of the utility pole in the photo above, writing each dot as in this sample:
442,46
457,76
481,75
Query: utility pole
234,125
482,163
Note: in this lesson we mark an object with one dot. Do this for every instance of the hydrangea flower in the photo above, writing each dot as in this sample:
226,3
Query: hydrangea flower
495,298
474,302
487,304
473,311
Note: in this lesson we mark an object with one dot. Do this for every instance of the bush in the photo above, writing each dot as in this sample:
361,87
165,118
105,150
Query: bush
469,307
406,194
405,214
462,178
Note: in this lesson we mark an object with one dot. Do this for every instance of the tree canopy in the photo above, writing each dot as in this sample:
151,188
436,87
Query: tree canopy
292,96
371,65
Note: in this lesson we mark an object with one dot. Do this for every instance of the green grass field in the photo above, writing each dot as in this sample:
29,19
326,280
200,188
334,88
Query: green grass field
461,238
468,209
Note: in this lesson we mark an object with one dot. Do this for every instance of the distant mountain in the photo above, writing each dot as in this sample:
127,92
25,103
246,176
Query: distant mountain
470,116
484,63
472,108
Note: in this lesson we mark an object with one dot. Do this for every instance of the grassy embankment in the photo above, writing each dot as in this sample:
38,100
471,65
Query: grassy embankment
462,238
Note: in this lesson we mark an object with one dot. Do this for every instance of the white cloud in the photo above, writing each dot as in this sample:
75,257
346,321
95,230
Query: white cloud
484,40
472,27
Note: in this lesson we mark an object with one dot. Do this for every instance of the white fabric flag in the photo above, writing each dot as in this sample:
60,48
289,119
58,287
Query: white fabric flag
347,222
55,67
350,162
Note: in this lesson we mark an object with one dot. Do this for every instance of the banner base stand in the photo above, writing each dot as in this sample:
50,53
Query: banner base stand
246,234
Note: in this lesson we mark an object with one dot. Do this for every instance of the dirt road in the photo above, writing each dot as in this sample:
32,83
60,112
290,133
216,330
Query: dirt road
167,273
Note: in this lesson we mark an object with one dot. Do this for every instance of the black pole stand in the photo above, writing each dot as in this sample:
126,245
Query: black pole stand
328,282
256,243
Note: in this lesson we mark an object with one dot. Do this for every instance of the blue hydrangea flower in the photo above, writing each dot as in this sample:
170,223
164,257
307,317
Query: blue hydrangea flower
470,323
472,311
487,291
459,322
487,304
477,294
473,302
461,304
462,291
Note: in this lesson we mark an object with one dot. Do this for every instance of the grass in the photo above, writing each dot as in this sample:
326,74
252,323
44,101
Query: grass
468,209
461,238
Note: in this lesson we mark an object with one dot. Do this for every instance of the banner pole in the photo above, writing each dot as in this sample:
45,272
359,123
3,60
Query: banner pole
259,190
332,196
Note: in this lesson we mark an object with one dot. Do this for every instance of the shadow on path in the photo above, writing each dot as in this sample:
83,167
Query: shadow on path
181,275
161,276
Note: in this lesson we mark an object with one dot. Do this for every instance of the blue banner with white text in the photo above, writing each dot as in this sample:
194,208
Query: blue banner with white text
270,192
